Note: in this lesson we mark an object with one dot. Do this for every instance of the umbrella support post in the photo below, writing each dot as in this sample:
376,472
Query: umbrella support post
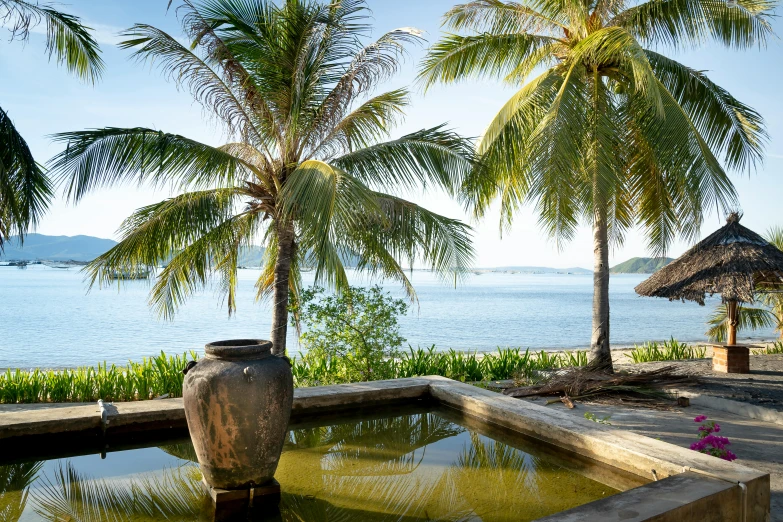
730,358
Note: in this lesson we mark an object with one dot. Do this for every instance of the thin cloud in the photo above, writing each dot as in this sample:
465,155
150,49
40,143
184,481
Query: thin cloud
776,156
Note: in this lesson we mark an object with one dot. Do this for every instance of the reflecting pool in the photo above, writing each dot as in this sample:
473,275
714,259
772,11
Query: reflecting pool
425,466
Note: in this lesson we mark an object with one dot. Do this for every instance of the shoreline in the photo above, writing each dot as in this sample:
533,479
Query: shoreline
619,353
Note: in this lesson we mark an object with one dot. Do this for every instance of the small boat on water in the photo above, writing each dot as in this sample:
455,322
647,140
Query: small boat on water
141,273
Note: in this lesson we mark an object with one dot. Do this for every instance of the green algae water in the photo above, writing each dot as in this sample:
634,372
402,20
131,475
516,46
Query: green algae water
428,466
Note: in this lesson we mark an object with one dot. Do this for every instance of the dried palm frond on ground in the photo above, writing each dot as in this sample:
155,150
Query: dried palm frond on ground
589,383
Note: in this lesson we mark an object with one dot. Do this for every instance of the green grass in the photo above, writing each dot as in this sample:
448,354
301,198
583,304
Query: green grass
671,350
506,363
154,376
775,349
162,375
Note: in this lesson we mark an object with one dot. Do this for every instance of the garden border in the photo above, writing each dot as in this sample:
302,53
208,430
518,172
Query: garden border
687,485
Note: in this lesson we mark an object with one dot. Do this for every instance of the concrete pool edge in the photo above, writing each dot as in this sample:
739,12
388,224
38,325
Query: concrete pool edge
691,485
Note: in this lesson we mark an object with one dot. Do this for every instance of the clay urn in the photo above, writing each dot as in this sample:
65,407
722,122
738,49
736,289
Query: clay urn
237,403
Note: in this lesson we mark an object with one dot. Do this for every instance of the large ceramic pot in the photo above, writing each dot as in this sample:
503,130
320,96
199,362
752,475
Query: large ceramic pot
237,403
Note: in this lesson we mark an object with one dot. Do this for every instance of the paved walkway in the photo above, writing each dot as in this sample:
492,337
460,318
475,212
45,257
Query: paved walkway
758,444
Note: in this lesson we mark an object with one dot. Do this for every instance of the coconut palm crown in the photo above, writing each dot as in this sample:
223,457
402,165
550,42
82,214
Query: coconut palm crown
605,129
309,156
25,190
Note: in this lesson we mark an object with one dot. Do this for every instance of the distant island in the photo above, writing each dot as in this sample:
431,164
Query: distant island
641,265
39,247
83,249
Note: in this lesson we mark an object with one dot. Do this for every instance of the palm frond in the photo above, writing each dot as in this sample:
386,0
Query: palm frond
688,23
409,232
488,55
616,46
495,16
175,494
25,189
206,85
190,270
695,181
324,200
155,233
110,156
363,126
67,38
430,157
728,126
750,318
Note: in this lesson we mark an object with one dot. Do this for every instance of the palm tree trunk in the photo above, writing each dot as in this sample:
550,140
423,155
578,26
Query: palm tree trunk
280,289
600,353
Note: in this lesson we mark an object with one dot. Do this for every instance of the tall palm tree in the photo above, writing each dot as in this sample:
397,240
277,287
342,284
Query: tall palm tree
770,315
293,84
610,132
25,190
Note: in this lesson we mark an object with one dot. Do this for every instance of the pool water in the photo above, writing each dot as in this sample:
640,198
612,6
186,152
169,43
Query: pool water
428,466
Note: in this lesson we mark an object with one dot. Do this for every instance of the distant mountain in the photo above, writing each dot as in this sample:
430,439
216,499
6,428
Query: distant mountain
641,265
56,248
39,247
251,256
537,270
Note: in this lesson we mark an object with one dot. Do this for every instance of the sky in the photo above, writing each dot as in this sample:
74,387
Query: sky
42,99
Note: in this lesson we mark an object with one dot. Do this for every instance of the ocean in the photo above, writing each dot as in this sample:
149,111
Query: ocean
48,319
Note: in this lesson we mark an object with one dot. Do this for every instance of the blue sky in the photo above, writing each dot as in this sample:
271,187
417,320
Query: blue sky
42,99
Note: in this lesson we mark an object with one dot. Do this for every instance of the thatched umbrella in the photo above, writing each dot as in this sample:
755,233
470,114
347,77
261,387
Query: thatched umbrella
733,262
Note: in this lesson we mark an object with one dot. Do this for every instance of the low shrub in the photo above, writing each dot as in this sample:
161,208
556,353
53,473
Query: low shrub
671,350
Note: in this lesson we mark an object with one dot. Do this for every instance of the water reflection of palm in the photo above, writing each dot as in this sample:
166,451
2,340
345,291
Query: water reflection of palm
355,471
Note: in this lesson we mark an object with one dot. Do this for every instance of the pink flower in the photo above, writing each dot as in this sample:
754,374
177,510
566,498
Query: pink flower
700,418
729,456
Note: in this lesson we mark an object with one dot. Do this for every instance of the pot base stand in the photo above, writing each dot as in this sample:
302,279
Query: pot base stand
267,494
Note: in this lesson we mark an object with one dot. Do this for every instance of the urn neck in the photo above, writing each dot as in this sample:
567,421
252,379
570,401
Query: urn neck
239,349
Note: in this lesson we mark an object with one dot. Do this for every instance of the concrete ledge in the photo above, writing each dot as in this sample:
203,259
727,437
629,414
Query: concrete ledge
742,409
688,497
158,414
685,497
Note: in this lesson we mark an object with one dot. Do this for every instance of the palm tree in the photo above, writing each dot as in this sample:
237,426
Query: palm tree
293,85
611,132
770,315
25,190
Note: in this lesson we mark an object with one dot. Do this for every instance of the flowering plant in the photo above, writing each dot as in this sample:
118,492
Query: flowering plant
710,443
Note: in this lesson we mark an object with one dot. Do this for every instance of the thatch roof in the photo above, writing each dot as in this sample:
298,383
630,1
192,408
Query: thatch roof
732,262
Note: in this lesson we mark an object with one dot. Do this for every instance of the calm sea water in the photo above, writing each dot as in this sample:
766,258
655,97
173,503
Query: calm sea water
48,319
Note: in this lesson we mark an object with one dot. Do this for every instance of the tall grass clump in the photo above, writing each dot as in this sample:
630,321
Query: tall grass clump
775,349
162,374
153,377
506,363
671,350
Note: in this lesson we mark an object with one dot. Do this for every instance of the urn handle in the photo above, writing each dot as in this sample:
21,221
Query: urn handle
249,373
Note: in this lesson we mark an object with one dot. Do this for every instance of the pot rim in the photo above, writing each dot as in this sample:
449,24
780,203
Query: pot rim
239,349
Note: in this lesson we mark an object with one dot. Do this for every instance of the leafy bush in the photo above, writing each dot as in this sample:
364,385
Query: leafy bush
351,336
671,350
